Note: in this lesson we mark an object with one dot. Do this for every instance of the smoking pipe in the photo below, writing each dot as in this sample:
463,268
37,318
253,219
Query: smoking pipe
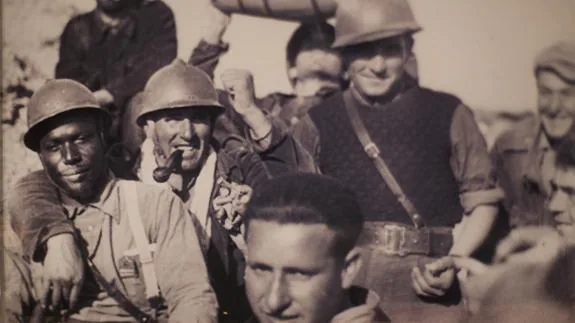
161,174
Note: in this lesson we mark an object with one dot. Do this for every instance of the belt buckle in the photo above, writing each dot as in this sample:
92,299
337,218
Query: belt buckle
394,237
371,150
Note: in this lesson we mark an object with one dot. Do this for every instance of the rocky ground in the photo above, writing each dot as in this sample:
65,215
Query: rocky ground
31,29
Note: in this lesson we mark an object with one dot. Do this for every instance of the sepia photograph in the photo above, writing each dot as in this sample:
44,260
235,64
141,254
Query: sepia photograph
305,161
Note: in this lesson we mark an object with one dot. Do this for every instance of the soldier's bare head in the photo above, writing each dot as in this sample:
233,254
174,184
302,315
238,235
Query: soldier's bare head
301,231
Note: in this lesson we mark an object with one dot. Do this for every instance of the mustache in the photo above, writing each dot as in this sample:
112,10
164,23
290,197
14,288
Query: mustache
194,142
162,173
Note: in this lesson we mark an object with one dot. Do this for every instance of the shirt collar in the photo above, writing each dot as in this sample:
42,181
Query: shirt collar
224,167
127,27
538,149
105,202
407,83
542,141
362,303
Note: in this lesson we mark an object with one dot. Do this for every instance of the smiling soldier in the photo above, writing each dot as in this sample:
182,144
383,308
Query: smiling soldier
415,158
180,108
124,239
525,155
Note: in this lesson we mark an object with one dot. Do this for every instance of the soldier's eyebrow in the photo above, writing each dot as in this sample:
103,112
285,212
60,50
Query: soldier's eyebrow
568,189
259,265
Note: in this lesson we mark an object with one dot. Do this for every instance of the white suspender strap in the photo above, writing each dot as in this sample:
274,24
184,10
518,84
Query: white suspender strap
142,243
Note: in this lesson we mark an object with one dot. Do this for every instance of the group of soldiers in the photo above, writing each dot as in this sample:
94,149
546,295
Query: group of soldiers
361,197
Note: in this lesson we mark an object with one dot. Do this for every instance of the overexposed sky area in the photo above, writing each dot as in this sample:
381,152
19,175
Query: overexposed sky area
480,50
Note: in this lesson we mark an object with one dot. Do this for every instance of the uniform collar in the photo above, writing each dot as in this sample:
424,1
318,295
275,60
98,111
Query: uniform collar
127,26
407,83
363,303
541,140
105,202
539,166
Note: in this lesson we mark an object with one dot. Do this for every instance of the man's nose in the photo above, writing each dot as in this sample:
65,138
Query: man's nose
555,103
277,297
378,63
186,129
558,202
71,154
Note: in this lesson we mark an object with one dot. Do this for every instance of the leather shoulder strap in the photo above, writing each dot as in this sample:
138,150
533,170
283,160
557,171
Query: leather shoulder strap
142,244
374,154
117,295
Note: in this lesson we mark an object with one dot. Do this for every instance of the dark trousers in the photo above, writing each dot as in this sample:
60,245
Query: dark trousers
390,278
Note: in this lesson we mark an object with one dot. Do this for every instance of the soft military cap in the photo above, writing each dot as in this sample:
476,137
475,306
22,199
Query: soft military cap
559,58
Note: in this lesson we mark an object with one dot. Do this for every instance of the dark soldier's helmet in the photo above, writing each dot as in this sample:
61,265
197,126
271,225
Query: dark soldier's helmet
54,98
178,85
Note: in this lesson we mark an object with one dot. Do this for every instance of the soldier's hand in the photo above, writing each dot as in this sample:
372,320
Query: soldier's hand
104,97
240,87
531,244
217,22
63,274
434,279
475,280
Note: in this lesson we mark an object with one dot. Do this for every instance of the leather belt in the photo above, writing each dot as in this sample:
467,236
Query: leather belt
396,239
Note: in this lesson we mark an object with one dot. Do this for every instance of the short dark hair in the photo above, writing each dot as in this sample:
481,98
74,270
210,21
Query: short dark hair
303,198
566,150
310,36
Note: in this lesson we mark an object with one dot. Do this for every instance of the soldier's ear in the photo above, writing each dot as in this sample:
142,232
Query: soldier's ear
352,265
345,77
292,75
150,129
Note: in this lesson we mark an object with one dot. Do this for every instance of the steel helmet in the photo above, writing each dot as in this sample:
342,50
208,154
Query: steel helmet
178,85
54,98
361,21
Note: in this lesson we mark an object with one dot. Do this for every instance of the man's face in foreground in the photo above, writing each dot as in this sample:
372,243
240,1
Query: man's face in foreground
556,104
73,155
562,203
185,129
292,272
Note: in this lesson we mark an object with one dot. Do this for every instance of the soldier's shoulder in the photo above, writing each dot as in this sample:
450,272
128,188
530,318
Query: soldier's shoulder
520,135
237,155
147,192
158,6
429,94
81,21
32,178
332,100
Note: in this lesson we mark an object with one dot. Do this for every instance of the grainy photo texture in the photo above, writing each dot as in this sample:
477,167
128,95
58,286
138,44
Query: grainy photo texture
311,161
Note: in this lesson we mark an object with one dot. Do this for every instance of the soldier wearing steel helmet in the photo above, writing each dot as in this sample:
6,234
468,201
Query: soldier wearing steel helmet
114,49
179,111
314,68
122,239
385,123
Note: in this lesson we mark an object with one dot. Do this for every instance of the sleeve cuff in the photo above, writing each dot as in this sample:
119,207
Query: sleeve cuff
272,139
219,48
36,251
471,200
